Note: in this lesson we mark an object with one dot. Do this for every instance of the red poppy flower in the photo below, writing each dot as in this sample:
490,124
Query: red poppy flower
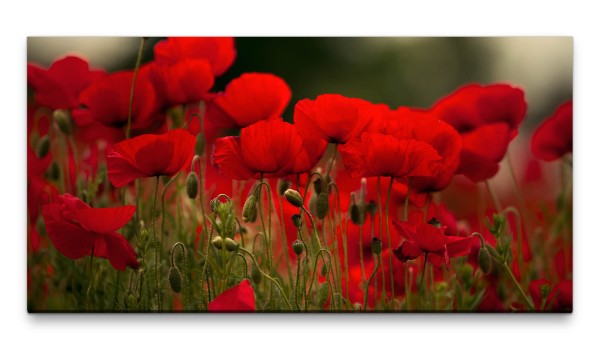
272,148
108,102
250,98
334,118
149,156
60,85
407,123
487,118
239,298
218,51
426,238
77,230
554,137
384,155
182,82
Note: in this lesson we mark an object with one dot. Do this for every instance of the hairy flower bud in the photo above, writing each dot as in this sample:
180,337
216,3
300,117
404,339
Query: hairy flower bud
376,246
249,212
324,270
282,186
293,197
54,171
62,119
371,208
297,220
143,235
357,212
230,244
175,279
298,247
323,294
322,205
217,242
191,185
485,260
255,275
318,185
43,147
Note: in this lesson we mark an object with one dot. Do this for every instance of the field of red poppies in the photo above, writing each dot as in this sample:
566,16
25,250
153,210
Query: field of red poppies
154,190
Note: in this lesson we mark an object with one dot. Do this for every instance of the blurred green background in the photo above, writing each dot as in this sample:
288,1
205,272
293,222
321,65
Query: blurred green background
393,70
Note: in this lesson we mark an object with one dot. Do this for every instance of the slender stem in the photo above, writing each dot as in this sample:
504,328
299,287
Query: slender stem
135,72
156,281
345,245
315,231
361,255
407,199
518,221
284,239
369,282
523,295
268,277
495,199
330,166
297,283
407,285
320,252
380,208
387,228
421,280
91,285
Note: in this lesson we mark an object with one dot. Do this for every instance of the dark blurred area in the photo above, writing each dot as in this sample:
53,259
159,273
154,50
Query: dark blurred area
395,71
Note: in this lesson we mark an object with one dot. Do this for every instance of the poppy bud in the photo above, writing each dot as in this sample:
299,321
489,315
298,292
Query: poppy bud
293,197
297,220
485,260
357,215
130,301
371,208
217,242
298,247
143,234
214,204
256,275
230,244
43,147
436,223
62,119
191,185
282,186
324,270
441,287
200,144
323,294
318,185
322,206
249,212
175,279
544,291
54,171
376,246
357,307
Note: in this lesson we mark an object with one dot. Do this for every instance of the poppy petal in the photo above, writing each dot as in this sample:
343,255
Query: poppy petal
227,159
236,299
102,220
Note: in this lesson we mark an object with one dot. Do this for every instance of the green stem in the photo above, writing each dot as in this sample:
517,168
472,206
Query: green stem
332,160
380,208
387,228
320,252
518,221
421,280
406,200
156,281
284,239
91,285
297,283
315,231
135,72
366,297
523,295
268,277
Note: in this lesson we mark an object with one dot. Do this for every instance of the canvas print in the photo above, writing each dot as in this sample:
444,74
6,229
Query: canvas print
295,175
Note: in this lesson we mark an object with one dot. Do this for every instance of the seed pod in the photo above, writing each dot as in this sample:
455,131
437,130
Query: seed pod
376,246
217,242
485,260
130,301
191,185
282,186
293,197
324,270
357,212
318,185
54,171
323,294
249,212
143,235
230,244
200,144
298,247
256,275
371,208
62,119
297,220
322,206
43,147
175,279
